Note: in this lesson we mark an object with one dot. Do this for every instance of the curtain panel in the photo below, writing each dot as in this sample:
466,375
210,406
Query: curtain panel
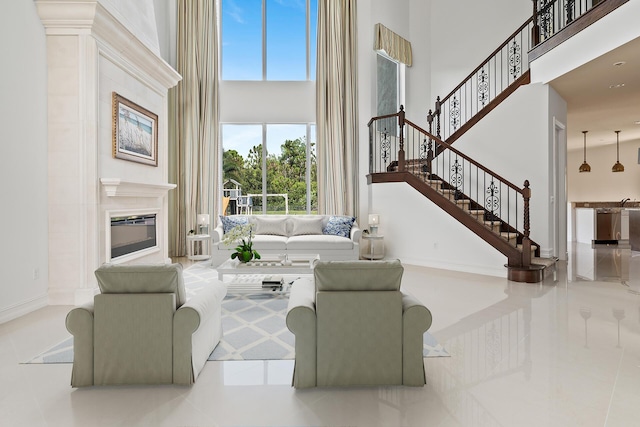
394,45
337,107
194,142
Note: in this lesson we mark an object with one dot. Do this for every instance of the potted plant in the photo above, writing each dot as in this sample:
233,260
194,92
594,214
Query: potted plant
242,234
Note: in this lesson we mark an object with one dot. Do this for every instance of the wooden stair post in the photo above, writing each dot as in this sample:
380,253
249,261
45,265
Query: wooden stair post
401,165
526,242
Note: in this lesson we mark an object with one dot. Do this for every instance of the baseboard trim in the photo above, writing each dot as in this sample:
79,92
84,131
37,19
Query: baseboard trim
18,310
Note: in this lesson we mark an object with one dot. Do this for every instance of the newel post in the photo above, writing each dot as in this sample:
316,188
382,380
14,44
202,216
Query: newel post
535,29
430,145
401,150
526,242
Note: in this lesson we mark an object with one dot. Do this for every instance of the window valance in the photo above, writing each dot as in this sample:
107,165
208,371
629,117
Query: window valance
394,45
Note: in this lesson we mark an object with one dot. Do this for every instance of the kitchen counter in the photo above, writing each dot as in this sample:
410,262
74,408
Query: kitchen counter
602,222
596,205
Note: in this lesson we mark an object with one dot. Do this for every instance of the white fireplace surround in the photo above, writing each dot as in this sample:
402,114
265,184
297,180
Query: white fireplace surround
91,53
116,187
125,198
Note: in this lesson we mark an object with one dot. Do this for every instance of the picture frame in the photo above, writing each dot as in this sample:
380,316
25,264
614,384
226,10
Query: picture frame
135,132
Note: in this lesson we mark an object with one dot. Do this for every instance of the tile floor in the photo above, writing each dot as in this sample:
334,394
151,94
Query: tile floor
562,353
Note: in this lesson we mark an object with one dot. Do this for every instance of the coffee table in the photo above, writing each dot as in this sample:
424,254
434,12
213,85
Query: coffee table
248,277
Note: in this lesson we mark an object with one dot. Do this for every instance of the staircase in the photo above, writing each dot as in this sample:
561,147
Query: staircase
487,204
490,206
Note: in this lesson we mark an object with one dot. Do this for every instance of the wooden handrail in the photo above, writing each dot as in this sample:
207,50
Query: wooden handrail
386,116
464,156
483,63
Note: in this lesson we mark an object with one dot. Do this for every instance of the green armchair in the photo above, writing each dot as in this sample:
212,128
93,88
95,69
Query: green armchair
141,329
354,327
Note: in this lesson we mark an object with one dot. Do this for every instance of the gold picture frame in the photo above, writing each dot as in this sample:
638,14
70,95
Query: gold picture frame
135,132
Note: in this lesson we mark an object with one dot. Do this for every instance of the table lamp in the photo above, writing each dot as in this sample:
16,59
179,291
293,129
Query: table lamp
203,223
374,220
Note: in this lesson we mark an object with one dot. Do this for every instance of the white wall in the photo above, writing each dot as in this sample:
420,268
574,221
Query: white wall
418,232
165,11
267,101
464,33
602,185
514,141
23,160
418,77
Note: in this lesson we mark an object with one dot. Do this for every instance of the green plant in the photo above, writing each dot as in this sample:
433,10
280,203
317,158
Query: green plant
242,234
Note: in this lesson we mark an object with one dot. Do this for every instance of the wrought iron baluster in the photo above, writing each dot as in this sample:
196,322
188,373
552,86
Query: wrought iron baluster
569,6
456,178
546,18
493,200
385,147
515,60
483,87
454,112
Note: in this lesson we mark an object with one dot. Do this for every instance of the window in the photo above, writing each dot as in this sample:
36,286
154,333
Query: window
388,91
269,168
269,39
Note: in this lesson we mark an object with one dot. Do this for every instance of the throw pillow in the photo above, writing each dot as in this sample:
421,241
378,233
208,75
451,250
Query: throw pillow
276,226
228,222
339,226
303,226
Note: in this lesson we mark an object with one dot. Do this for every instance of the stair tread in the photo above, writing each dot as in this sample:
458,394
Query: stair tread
509,235
533,247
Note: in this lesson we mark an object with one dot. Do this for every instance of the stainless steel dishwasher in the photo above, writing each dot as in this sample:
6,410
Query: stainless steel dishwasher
607,226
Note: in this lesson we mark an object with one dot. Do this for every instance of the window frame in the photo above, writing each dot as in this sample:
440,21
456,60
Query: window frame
265,153
308,44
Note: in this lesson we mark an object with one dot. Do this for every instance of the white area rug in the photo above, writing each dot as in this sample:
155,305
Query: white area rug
253,324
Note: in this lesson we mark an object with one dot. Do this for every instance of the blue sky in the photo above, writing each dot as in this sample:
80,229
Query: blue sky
286,39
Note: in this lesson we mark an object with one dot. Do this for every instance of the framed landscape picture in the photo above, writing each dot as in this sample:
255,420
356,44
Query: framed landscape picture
135,132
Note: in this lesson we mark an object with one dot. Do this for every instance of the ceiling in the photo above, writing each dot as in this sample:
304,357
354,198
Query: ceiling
603,97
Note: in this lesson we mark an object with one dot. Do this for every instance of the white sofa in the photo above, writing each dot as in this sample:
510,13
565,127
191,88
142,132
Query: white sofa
291,234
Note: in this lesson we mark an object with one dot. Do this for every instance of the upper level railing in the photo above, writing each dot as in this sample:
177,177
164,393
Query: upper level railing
500,199
551,16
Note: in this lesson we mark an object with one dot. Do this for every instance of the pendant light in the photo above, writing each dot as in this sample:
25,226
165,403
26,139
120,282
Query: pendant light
618,167
584,167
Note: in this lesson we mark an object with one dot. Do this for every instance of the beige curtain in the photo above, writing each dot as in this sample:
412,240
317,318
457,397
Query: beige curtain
337,107
394,45
194,144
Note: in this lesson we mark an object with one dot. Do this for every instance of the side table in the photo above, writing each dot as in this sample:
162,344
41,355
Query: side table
376,246
198,247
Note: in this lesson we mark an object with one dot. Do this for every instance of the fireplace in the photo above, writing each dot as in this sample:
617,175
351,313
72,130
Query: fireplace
131,235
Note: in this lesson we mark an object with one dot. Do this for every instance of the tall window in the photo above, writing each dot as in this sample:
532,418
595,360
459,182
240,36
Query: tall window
388,91
269,168
269,39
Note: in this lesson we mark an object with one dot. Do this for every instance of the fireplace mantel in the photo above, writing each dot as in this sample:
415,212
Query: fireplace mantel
115,187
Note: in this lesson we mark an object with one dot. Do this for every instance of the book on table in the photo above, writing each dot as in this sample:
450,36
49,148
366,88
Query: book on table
271,281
